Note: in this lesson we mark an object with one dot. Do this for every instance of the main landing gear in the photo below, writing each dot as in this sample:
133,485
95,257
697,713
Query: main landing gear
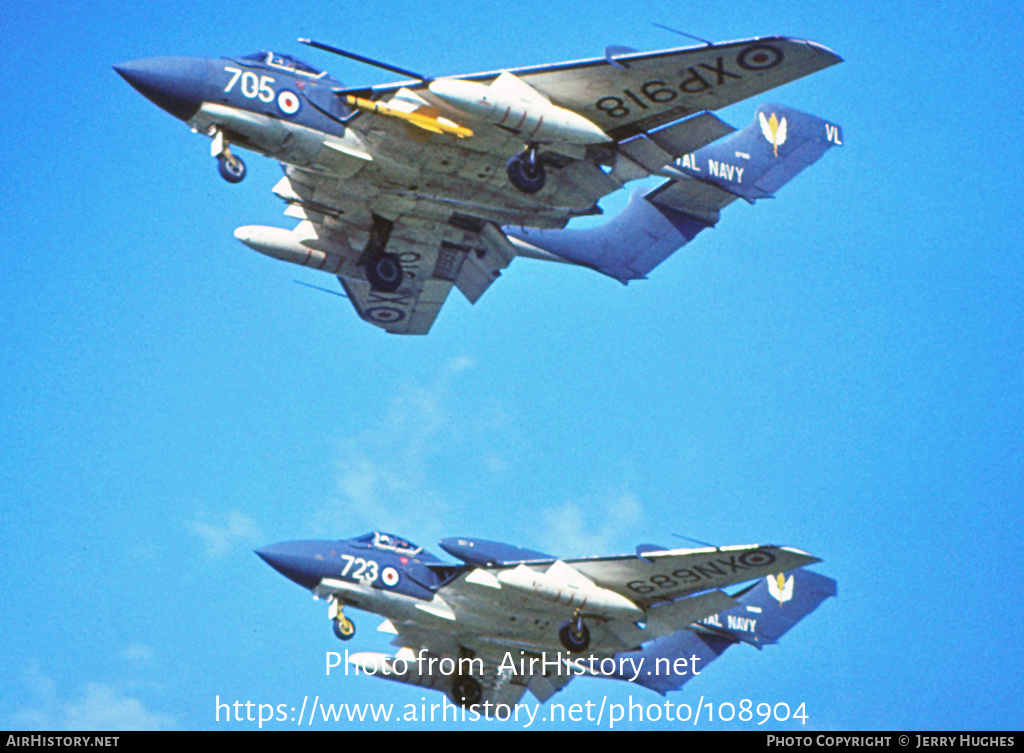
383,270
525,171
466,691
574,635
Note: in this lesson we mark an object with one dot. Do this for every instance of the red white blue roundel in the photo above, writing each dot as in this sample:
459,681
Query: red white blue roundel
390,576
288,102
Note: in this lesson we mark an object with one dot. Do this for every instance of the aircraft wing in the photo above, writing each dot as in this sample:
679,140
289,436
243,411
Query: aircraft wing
651,89
437,248
657,577
500,669
411,310
628,94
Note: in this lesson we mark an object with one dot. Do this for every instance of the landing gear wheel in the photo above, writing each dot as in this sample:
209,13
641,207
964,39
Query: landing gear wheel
526,172
466,691
232,169
344,628
384,272
575,636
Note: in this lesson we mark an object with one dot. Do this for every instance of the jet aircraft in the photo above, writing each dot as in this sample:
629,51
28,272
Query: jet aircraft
405,190
507,619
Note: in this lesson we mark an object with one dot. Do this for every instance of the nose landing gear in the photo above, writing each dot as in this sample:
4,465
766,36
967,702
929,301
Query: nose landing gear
231,168
344,628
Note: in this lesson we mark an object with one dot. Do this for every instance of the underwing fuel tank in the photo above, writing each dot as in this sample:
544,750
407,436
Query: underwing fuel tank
564,585
515,106
404,669
286,245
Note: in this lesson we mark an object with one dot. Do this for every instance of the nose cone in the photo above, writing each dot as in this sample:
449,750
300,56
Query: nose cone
175,84
300,561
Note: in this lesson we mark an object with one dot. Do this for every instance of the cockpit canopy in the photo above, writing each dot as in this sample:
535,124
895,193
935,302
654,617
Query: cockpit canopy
387,542
283,62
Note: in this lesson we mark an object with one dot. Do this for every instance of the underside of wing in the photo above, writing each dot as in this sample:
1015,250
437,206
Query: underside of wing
431,247
410,310
634,92
646,90
656,577
486,673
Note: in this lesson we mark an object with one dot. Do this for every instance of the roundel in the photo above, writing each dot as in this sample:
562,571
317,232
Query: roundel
389,576
759,57
757,558
288,101
384,314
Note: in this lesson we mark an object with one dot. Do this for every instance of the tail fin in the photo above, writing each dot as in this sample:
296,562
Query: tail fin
756,162
749,164
769,609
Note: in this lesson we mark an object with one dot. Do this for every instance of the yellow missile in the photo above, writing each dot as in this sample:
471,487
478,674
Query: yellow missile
420,120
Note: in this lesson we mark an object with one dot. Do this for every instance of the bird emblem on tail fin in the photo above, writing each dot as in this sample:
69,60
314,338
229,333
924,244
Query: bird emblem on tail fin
780,587
774,130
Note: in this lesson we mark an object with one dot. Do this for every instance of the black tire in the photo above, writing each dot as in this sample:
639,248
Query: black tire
526,175
575,636
344,628
385,273
232,170
466,691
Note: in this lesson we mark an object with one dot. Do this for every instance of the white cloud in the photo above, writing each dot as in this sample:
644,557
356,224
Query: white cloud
495,463
138,652
398,472
408,472
460,363
583,528
236,528
97,706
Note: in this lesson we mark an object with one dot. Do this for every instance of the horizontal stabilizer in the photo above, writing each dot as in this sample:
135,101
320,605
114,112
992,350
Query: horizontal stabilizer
690,134
668,618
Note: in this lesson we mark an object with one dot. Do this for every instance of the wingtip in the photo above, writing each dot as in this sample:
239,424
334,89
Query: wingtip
829,50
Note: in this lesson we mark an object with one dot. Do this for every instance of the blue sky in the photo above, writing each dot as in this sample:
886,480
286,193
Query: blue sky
839,369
